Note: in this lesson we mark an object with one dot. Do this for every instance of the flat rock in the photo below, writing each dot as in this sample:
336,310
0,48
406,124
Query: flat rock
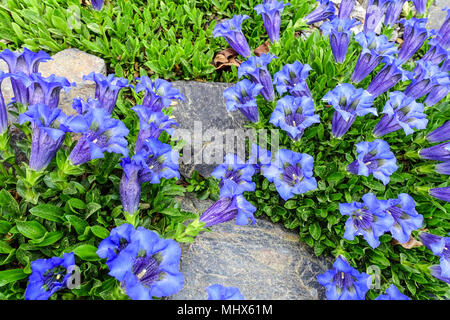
265,261
204,121
436,15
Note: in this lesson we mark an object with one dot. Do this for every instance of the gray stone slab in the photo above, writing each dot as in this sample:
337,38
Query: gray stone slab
436,15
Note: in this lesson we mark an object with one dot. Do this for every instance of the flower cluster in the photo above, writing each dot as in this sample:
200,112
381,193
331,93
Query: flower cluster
440,246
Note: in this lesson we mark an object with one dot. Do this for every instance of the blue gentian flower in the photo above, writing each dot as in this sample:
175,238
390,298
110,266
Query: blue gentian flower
441,193
49,129
436,54
425,77
103,133
374,49
443,168
152,124
159,161
325,10
389,76
375,11
393,11
235,170
407,219
294,115
242,97
439,152
48,276
292,79
3,111
366,219
436,271
349,103
437,93
446,65
292,173
158,94
107,89
374,158
231,30
97,4
343,282
259,158
392,294
271,14
421,6
414,36
440,246
219,292
148,266
339,31
443,36
231,204
346,8
401,112
46,90
440,134
26,63
256,69
81,106
118,239
130,184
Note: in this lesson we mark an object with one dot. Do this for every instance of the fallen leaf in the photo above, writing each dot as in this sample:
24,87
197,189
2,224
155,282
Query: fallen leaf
226,58
399,40
412,243
264,48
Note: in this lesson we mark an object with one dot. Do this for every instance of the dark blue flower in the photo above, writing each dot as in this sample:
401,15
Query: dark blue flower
294,115
393,10
375,11
48,276
152,124
440,246
97,4
414,36
374,158
259,157
392,294
235,170
231,30
256,69
374,49
242,97
349,103
389,76
440,134
325,10
292,79
118,239
3,111
439,152
401,112
437,93
292,173
425,77
271,14
148,266
219,292
130,184
366,219
107,89
443,168
446,65
421,6
443,36
346,8
344,282
436,54
158,94
436,271
441,193
103,134
49,129
339,31
46,89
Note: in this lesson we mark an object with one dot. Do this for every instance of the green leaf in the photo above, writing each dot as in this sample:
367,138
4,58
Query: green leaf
291,204
78,223
100,231
5,226
12,275
31,229
87,252
314,231
5,247
49,239
48,212
8,205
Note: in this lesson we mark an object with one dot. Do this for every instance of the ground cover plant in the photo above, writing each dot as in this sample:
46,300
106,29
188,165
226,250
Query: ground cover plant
363,123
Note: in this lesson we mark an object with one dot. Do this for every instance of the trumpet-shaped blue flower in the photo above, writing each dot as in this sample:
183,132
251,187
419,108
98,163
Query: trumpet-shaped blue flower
421,6
158,94
46,90
159,161
339,31
107,89
443,36
392,293
374,49
366,219
219,292
49,129
443,168
26,63
325,10
393,10
441,193
81,106
152,124
242,97
130,184
103,134
48,276
440,134
118,239
292,173
437,93
439,152
256,69
349,103
294,115
292,79
97,4
271,15
235,170
424,78
374,158
346,8
343,282
415,35
259,158
436,271
401,112
440,246
375,11
3,111
231,30
446,65
436,54
148,266
389,76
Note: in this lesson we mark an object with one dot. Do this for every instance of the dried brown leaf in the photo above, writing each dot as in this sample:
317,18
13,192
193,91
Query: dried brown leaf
264,48
226,58
412,243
